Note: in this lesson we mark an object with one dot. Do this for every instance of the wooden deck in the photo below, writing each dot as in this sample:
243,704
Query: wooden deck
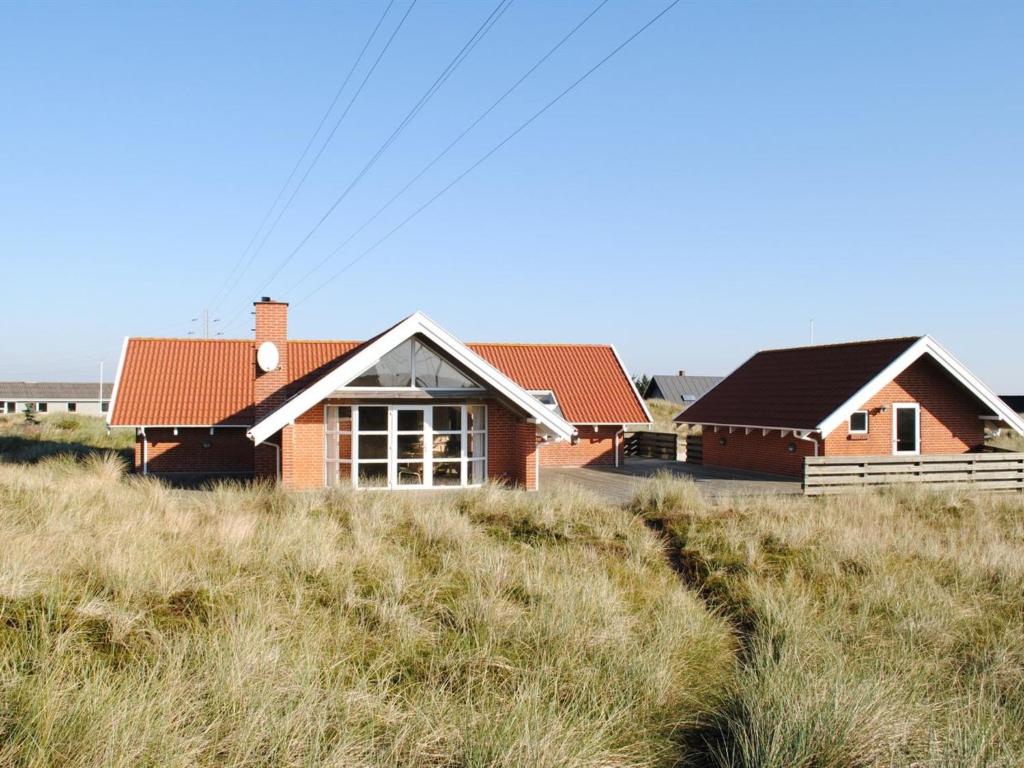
618,484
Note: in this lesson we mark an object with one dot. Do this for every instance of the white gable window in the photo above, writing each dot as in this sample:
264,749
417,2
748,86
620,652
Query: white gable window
413,364
859,423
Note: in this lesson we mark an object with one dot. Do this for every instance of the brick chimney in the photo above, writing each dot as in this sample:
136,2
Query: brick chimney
272,326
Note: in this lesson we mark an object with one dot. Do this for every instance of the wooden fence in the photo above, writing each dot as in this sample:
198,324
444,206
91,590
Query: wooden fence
651,445
694,449
987,471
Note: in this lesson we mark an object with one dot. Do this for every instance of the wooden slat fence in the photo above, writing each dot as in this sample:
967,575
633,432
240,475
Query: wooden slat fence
986,471
694,449
651,445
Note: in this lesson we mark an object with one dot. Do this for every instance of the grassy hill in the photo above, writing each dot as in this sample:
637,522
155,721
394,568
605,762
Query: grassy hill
878,629
245,626
141,625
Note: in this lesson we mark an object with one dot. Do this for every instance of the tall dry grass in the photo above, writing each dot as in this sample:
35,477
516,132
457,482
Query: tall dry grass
244,626
876,630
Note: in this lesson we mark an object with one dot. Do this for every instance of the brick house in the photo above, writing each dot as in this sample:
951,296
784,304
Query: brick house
413,407
905,396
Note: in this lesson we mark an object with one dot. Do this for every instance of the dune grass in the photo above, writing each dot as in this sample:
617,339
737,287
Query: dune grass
662,414
56,434
244,626
878,629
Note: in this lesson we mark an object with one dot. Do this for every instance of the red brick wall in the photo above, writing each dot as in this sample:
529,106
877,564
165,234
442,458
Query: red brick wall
195,452
755,452
949,415
511,447
302,454
593,448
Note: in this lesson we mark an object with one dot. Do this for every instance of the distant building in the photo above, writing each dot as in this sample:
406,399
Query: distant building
54,397
681,389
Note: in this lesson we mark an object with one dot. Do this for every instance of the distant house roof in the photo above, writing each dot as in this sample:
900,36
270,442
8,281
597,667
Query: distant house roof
54,390
815,388
680,389
1016,402
209,382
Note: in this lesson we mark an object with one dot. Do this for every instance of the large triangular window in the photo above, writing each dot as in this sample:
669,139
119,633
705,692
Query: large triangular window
414,364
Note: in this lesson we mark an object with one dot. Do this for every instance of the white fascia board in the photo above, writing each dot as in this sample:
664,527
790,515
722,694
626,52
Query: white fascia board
365,358
117,382
924,345
632,385
749,426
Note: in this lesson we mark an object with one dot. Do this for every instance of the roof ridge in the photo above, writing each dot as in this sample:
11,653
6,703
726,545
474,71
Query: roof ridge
538,344
185,338
862,342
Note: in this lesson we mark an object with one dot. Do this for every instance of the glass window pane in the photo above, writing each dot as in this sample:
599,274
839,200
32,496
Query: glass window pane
410,446
476,472
332,474
448,473
906,429
433,371
373,418
410,473
345,472
447,446
447,418
373,475
476,445
344,442
392,370
332,448
859,421
373,446
410,421
476,417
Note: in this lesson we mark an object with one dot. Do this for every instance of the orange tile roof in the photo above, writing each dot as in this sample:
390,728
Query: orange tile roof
209,382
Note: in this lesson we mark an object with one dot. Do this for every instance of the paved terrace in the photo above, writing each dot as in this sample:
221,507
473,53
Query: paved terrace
617,483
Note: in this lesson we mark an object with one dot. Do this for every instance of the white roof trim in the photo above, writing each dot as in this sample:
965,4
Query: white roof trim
366,357
632,384
117,382
924,345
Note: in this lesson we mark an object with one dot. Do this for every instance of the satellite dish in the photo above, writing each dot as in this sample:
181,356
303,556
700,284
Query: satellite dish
267,357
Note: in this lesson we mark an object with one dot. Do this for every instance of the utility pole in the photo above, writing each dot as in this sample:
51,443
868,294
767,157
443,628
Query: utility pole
101,386
812,331
206,323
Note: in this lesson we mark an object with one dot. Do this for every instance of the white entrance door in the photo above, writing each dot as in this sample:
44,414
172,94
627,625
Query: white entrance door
409,460
906,428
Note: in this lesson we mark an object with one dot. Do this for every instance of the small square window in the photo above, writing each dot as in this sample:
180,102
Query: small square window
105,406
72,407
41,407
858,422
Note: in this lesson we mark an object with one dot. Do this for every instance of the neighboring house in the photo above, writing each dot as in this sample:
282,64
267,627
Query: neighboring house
54,397
682,389
890,397
413,407
1015,402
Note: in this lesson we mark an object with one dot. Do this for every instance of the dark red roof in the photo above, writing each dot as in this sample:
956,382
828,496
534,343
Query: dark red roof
795,388
209,382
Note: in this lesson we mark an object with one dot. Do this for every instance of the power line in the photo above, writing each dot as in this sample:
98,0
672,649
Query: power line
448,148
490,152
302,157
467,48
330,136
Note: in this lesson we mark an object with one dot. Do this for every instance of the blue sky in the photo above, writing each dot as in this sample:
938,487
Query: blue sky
736,171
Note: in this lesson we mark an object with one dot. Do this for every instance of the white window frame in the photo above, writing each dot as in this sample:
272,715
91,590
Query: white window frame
917,428
867,423
356,388
466,462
